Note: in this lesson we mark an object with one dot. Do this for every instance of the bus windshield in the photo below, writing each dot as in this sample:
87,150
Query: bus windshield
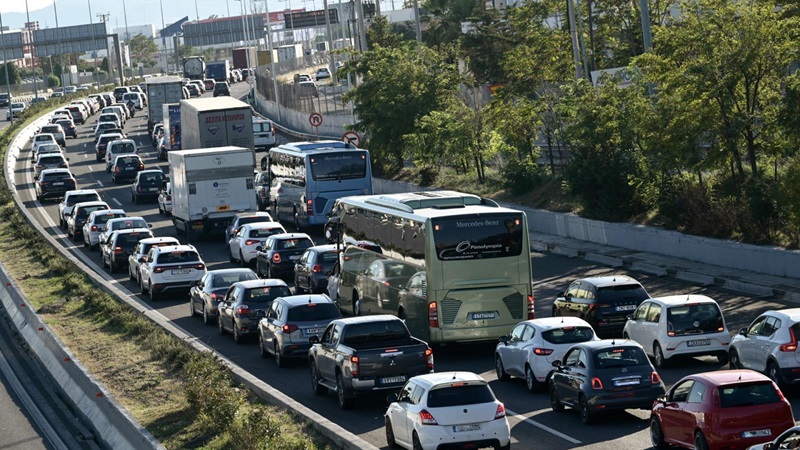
478,237
338,166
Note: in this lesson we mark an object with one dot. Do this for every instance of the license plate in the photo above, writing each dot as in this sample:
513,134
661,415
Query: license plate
313,330
627,382
756,433
468,427
181,271
698,342
224,208
392,380
625,308
483,315
58,183
155,189
294,258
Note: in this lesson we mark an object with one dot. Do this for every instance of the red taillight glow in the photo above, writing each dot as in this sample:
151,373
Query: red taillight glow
791,346
94,227
654,378
597,384
426,418
117,250
199,266
542,351
317,268
354,367
501,411
243,310
158,270
213,296
289,328
531,314
429,358
433,315
251,242
116,169
310,207
670,329
276,258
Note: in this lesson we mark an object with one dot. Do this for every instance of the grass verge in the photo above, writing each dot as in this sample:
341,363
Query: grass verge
184,398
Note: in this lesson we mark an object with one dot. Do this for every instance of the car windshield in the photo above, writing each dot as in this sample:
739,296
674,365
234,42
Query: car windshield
568,335
313,312
177,257
294,244
762,393
460,394
265,294
694,319
129,223
224,280
620,357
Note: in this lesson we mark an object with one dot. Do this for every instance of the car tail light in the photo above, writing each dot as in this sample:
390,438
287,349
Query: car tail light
200,266
138,189
94,227
158,270
597,384
531,314
429,358
654,378
594,306
791,346
354,366
213,296
169,198
670,329
289,328
116,169
276,258
715,397
501,411
310,207
543,351
433,315
317,268
117,250
243,310
141,166
251,242
426,418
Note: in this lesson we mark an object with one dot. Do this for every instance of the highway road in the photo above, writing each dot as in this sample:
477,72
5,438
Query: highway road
533,423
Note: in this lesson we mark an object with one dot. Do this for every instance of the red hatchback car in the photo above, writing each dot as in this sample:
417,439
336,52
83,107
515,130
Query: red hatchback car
723,410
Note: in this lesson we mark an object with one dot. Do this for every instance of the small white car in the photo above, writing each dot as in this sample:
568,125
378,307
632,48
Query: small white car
96,224
15,110
533,345
119,147
323,73
71,198
41,139
122,223
165,200
142,249
686,325
242,246
446,407
770,345
44,149
170,268
244,218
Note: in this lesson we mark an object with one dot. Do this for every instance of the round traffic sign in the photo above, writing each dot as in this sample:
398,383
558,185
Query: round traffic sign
351,137
315,119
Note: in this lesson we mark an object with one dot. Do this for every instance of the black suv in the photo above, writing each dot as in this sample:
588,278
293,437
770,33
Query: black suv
147,185
604,302
126,167
221,88
54,183
276,258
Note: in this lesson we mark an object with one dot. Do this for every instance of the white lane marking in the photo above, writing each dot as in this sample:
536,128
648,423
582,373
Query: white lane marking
85,144
116,201
100,183
86,156
544,427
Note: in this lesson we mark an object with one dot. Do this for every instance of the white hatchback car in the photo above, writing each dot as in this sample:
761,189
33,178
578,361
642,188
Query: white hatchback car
117,148
142,249
96,224
122,223
170,268
533,345
446,407
770,345
41,139
689,325
242,246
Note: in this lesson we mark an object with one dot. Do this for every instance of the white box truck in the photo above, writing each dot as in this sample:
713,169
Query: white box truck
216,122
209,186
161,90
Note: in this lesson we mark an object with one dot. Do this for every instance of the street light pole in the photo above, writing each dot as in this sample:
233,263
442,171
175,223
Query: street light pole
5,66
60,50
33,52
163,40
228,6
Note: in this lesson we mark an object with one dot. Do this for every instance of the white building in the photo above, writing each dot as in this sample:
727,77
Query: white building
148,31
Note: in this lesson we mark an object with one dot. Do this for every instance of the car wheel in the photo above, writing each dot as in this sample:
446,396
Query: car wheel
415,443
344,401
262,350
112,267
774,373
390,434
296,219
722,357
316,387
220,325
356,305
153,295
206,318
61,222
656,434
530,379
733,360
297,289
555,403
586,413
700,441
237,337
130,272
499,369
658,357
279,359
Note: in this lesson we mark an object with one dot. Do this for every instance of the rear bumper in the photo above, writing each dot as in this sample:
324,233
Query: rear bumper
372,384
291,350
183,285
642,399
491,434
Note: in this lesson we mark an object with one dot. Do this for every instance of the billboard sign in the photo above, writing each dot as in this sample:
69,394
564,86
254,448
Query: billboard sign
310,19
11,45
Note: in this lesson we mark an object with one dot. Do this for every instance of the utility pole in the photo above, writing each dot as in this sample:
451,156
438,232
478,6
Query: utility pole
5,66
103,19
60,50
33,51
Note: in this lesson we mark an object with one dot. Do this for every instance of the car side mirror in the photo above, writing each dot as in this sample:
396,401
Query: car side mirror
313,340
557,363
391,398
629,317
143,259
149,225
259,248
662,400
743,332
504,339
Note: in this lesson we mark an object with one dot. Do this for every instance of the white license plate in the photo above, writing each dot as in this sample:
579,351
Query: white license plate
756,433
468,427
294,258
627,382
58,183
155,189
483,315
698,342
625,308
391,380
313,330
181,271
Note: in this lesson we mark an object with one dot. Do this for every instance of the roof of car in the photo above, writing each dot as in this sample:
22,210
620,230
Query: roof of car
290,236
268,282
156,240
608,343
108,211
305,299
252,214
176,248
49,171
728,377
122,141
229,271
792,314
110,135
131,230
126,218
45,134
613,280
324,248
91,203
435,379
370,318
80,192
549,323
260,225
672,300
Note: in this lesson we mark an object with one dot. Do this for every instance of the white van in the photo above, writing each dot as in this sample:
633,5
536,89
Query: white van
263,134
134,97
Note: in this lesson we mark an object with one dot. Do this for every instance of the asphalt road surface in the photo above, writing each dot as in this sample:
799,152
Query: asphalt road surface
533,423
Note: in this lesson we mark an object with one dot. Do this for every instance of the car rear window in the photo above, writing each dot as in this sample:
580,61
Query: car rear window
223,280
84,212
56,176
126,147
42,138
460,394
620,357
265,294
313,312
568,335
264,232
329,257
621,293
50,129
385,330
177,257
74,199
300,243
252,219
51,159
762,393
128,161
151,178
133,223
694,318
103,218
129,240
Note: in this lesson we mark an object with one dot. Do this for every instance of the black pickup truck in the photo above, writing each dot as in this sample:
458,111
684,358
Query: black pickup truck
358,355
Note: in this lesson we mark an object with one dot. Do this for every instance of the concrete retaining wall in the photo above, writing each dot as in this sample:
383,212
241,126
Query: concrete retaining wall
332,125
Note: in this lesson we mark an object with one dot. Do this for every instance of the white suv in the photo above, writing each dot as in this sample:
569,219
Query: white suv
71,198
122,223
690,325
119,147
170,268
769,345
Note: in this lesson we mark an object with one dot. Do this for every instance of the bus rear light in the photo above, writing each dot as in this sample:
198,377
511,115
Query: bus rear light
310,207
433,315
531,314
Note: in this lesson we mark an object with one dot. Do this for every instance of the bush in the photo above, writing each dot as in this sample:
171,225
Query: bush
521,176
211,392
53,81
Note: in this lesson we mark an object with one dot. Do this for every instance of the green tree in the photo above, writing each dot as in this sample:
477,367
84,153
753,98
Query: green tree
444,18
104,65
58,70
53,81
13,74
381,33
143,50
